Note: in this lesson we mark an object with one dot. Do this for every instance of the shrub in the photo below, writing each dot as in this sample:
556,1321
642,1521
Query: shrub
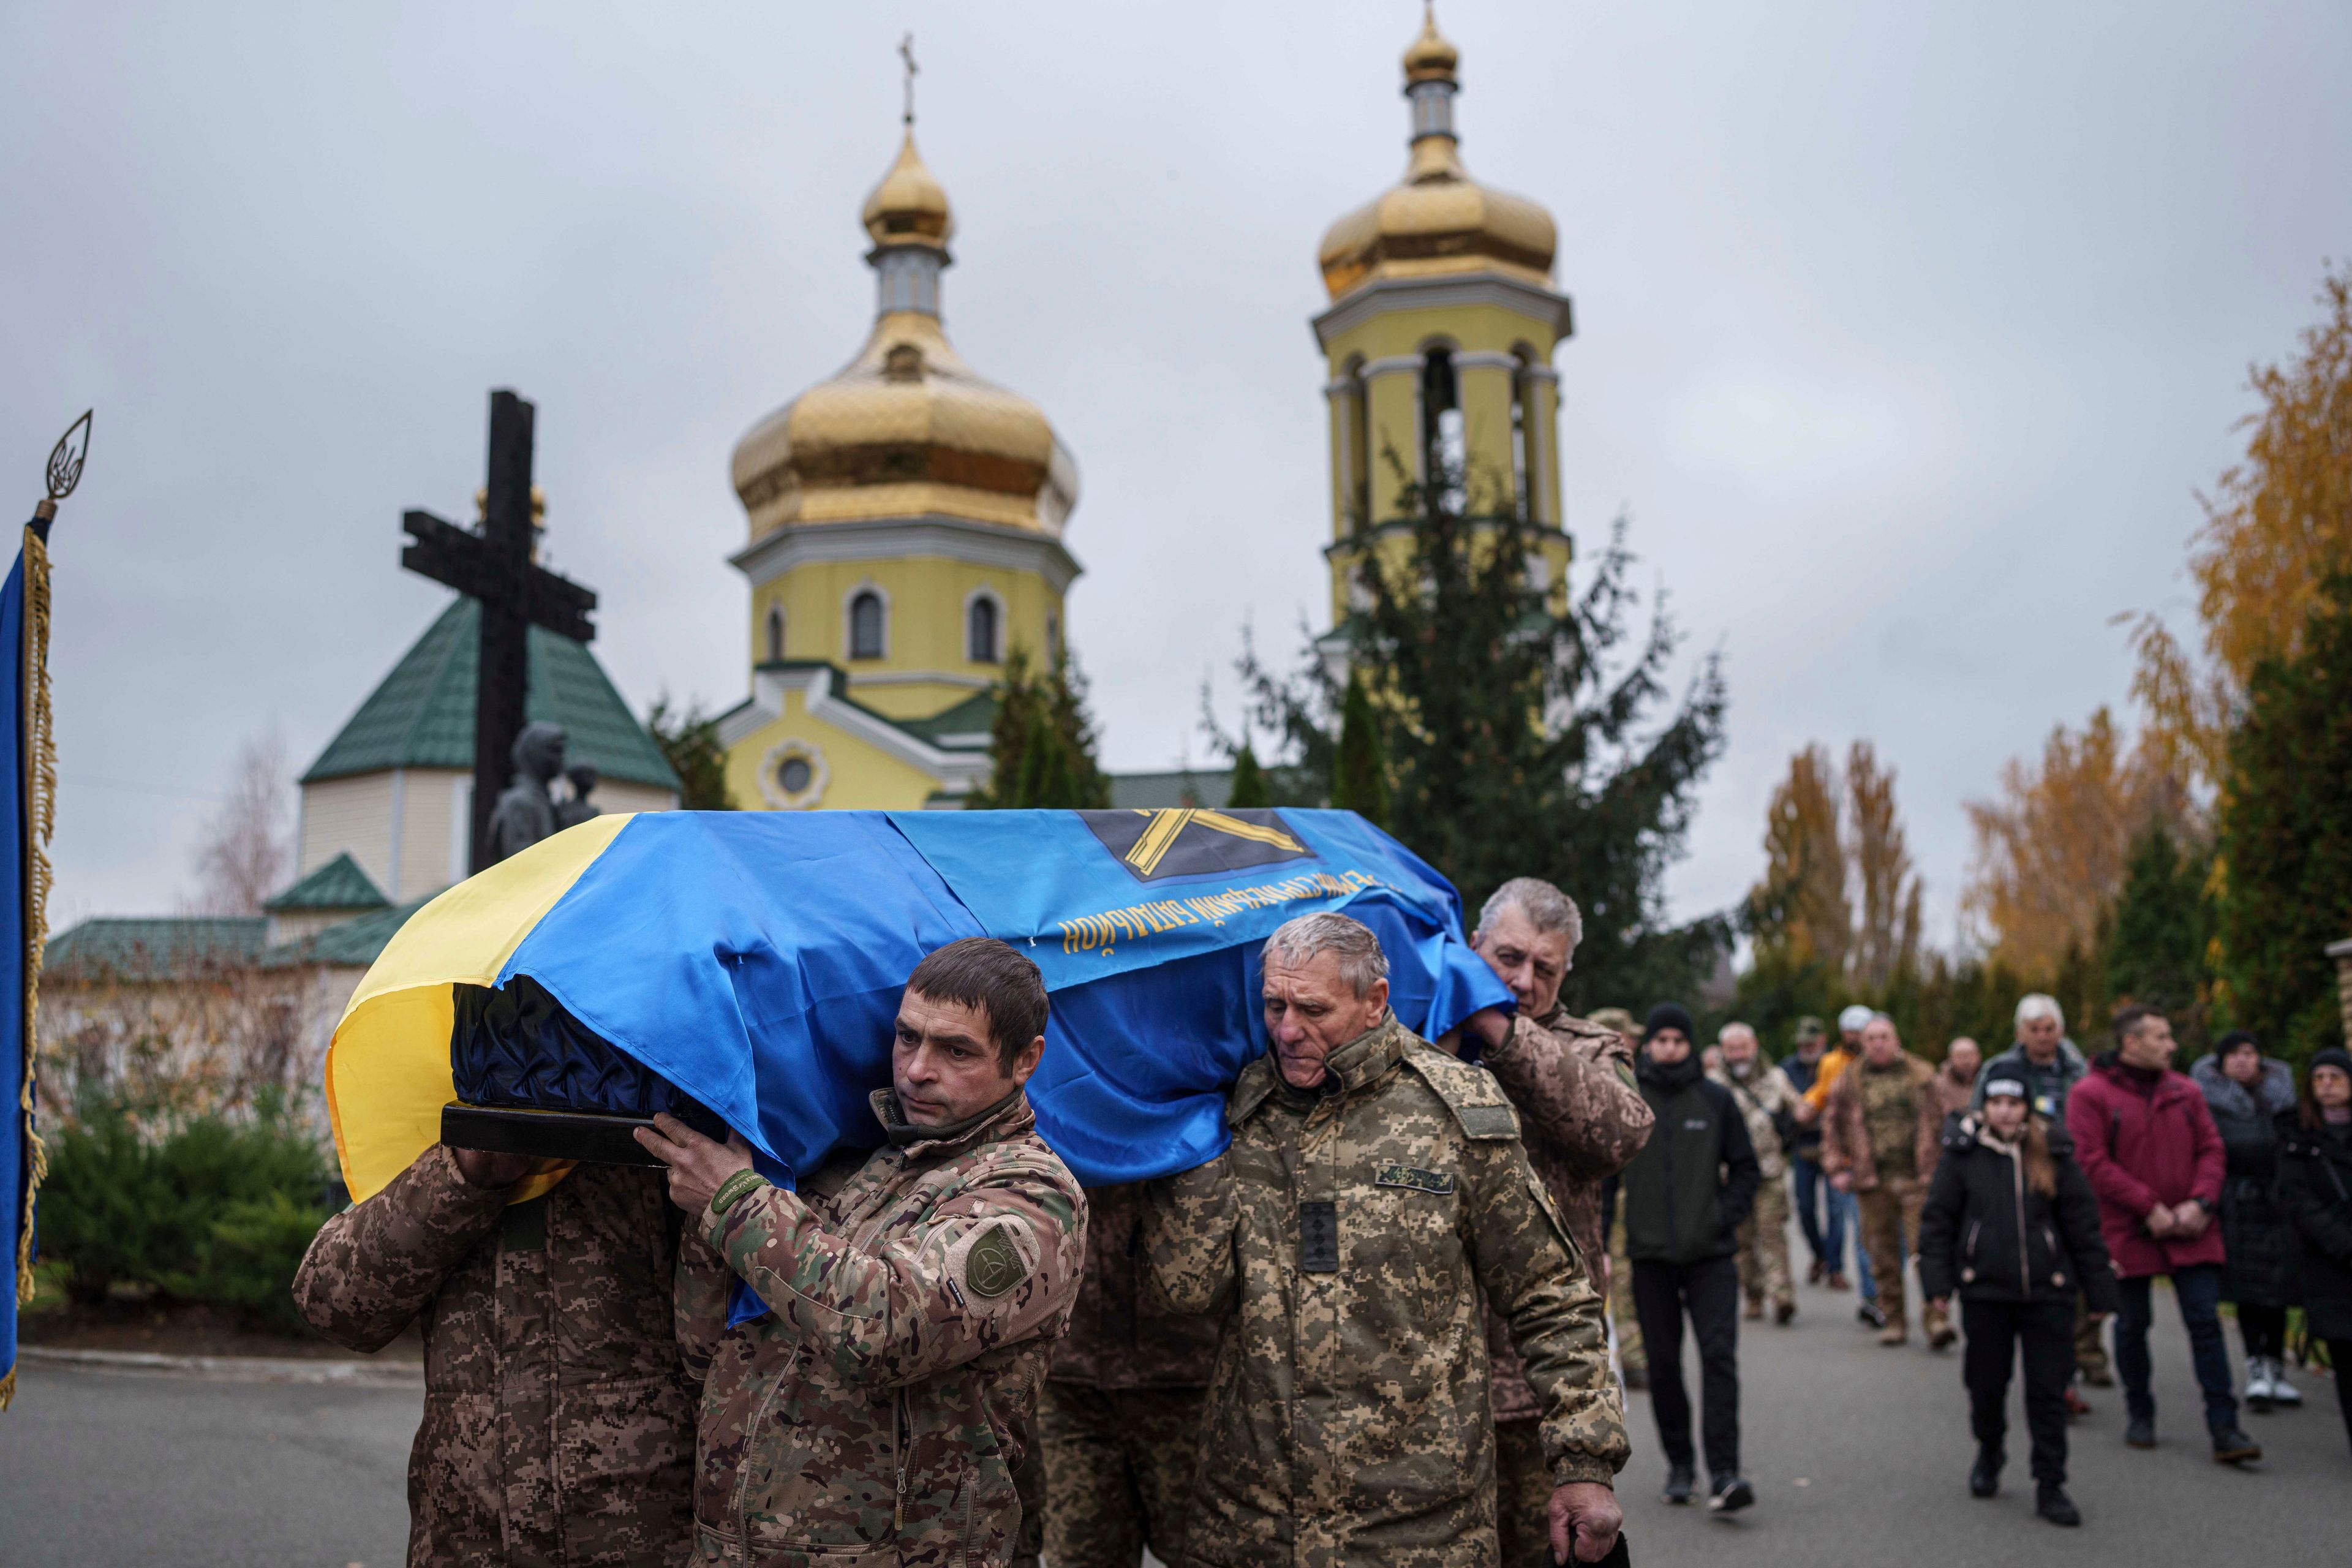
204,1209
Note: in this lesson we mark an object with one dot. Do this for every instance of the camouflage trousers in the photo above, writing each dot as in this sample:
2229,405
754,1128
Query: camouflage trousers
1630,1355
1118,1470
1522,1495
1890,1231
1764,1247
2090,1343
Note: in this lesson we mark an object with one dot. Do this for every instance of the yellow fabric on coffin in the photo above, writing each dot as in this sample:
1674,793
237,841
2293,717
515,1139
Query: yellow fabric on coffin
388,1072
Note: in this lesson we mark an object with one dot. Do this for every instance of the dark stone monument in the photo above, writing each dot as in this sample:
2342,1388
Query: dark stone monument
495,567
571,812
527,812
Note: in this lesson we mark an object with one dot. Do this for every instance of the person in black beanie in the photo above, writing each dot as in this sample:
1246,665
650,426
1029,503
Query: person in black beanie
1686,1193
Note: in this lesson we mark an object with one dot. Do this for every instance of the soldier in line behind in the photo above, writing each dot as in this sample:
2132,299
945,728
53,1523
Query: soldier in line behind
1582,1118
1375,1195
1119,1421
876,1414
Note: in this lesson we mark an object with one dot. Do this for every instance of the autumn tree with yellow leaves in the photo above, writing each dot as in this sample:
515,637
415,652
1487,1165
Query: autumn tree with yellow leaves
1840,895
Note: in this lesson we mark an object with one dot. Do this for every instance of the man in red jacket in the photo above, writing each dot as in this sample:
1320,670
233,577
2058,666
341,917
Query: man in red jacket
2144,1137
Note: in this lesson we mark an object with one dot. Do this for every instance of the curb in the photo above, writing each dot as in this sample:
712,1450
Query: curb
234,1368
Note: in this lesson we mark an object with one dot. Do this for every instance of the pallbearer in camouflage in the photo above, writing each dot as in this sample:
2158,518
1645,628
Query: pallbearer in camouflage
559,1428
880,1413
1375,1196
1582,1119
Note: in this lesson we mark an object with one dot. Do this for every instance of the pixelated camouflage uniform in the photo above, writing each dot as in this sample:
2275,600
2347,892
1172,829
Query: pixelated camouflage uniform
1582,1118
1765,1097
557,1426
880,1413
1884,1128
1355,1232
1120,1420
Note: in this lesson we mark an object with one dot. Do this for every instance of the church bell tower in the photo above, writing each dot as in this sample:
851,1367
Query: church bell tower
1439,342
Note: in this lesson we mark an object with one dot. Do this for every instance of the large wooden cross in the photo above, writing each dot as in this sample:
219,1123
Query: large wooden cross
495,568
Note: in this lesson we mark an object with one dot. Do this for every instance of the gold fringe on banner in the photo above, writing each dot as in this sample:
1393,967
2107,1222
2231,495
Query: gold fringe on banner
40,796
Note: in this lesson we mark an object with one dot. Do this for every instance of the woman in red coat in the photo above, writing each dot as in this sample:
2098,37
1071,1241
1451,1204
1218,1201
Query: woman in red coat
2143,1135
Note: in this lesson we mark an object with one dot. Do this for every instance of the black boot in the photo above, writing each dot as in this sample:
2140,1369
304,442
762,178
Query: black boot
2232,1447
1680,1482
2051,1501
1984,1480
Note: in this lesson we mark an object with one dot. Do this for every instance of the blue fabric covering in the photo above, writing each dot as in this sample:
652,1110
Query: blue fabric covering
756,960
15,1165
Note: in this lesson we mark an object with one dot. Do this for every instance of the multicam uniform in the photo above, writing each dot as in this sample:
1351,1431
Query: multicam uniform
1884,1126
1121,1418
1348,1232
877,1415
1582,1119
1766,1100
557,1426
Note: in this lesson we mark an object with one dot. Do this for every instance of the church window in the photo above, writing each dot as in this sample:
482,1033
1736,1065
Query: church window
865,625
1053,636
980,630
1523,439
794,775
775,633
1441,450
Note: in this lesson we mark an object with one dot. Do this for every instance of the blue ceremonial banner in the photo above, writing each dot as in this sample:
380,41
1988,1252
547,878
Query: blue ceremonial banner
755,960
23,628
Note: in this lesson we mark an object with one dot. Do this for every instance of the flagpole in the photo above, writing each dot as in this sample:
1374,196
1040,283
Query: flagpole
37,779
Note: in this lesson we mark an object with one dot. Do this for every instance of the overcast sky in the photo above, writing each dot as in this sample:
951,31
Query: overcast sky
1904,334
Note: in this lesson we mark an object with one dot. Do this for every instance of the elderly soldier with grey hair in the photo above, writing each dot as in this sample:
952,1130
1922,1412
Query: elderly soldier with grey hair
1766,1102
1375,1196
1582,1118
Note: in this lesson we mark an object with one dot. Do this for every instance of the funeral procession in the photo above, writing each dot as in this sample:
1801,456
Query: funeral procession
1664,877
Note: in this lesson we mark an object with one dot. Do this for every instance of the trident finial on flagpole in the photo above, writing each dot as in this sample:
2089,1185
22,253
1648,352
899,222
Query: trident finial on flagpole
907,53
65,466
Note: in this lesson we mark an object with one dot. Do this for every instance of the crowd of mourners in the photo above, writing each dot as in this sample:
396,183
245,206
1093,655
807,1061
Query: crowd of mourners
1393,1324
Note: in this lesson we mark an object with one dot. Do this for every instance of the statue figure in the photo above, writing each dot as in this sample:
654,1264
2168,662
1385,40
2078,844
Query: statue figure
526,812
571,812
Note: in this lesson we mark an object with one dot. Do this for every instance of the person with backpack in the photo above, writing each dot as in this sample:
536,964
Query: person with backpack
2012,1229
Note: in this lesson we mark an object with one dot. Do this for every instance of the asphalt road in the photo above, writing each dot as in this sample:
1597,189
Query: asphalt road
107,1468
1859,1454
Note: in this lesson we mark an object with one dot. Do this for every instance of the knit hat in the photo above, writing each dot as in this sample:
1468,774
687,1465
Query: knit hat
2008,1086
1854,1018
1669,1015
2232,1040
2334,1057
1810,1028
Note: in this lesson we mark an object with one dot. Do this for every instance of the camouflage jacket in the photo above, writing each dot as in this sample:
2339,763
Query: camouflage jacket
1119,1337
1583,1119
1765,1100
558,1423
1851,1142
1348,1233
878,1415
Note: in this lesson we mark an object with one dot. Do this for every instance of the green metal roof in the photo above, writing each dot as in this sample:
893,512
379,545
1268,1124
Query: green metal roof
353,944
1165,792
972,716
158,948
340,884
422,714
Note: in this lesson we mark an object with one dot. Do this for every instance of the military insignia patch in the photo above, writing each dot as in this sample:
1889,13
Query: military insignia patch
1157,845
1416,1180
993,1265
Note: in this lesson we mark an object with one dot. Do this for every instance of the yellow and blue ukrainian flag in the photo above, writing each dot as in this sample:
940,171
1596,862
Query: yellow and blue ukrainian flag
754,960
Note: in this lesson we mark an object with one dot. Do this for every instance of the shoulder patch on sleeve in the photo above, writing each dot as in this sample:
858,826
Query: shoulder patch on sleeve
1471,1093
993,1265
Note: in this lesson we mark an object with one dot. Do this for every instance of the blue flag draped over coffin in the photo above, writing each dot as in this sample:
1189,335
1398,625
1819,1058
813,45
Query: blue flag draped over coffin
755,962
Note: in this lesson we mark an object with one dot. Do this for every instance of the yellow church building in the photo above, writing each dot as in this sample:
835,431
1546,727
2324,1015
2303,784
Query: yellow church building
906,516
906,535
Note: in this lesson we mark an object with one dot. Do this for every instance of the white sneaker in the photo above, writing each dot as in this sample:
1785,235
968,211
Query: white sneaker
2258,1383
2281,1390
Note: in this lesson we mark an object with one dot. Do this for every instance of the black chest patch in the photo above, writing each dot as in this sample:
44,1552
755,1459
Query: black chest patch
1414,1181
523,1226
1318,1237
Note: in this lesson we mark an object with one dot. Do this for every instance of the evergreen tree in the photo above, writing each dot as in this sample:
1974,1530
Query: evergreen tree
690,741
1359,764
2162,922
2285,842
1516,745
1047,712
1248,789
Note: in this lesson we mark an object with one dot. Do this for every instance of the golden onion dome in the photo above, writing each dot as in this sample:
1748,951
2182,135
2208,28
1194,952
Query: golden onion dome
1437,219
906,428
909,206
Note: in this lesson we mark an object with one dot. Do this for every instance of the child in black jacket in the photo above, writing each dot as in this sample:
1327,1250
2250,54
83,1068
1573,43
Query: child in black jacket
2012,1227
